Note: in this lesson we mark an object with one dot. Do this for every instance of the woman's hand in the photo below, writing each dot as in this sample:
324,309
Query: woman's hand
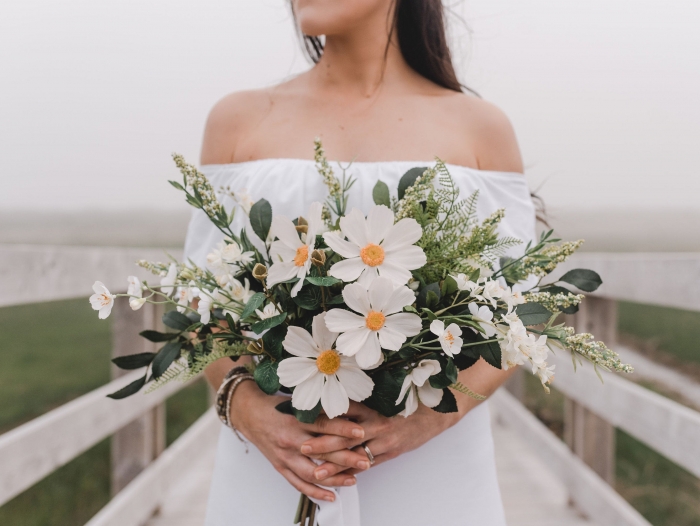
280,437
386,438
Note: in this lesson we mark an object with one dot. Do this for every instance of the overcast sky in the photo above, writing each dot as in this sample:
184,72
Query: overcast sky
96,94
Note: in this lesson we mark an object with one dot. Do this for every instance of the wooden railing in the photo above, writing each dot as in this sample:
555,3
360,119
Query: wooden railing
142,471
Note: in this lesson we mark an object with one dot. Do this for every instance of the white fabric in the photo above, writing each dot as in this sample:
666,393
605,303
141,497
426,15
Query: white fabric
451,480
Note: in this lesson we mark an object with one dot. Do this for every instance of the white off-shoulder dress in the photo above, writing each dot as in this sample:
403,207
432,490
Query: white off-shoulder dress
450,480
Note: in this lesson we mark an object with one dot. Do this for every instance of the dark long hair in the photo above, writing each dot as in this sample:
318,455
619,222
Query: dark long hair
420,30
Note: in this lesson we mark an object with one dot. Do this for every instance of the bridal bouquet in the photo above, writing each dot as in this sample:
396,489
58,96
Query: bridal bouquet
383,309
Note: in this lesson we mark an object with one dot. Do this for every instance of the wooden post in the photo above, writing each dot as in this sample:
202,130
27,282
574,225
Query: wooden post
589,436
135,445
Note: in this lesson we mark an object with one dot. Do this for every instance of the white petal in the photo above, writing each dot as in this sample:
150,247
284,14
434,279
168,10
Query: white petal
323,337
300,343
370,355
407,383
355,296
402,234
340,320
379,222
98,287
348,269
368,276
380,291
334,398
400,298
301,274
293,371
390,339
349,343
396,273
425,370
411,257
437,327
279,251
307,394
105,311
411,403
429,395
354,227
473,309
342,247
404,322
357,384
284,229
280,272
314,221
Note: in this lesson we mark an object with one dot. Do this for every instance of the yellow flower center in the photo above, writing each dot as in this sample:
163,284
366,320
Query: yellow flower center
328,362
375,320
448,337
372,255
302,256
104,299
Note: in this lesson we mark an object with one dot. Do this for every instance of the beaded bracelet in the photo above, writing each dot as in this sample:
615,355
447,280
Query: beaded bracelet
224,395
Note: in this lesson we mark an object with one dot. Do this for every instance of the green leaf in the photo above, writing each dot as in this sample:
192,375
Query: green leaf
465,360
448,286
446,377
532,314
272,341
261,218
308,298
254,302
305,417
128,390
134,361
325,281
380,194
429,313
268,323
409,178
584,279
167,355
266,376
176,320
387,389
155,336
424,300
491,352
336,300
448,404
177,185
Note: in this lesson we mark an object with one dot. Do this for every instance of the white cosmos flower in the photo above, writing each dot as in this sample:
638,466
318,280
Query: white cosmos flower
167,282
376,247
450,337
102,300
268,312
318,372
418,387
483,315
135,292
513,297
379,324
292,258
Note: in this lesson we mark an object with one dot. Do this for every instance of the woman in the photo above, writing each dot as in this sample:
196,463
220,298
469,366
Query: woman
383,94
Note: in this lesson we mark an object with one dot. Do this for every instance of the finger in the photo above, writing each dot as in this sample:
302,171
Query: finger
327,444
342,459
335,426
310,490
358,410
305,470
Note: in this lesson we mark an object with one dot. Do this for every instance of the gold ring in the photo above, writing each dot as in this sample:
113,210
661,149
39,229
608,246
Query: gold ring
370,456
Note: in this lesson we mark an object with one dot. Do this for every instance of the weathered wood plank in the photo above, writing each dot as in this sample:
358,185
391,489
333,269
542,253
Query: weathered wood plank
37,273
142,497
664,425
592,495
30,452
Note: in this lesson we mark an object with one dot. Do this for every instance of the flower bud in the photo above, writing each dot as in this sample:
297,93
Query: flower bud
302,225
259,271
318,257
254,348
187,274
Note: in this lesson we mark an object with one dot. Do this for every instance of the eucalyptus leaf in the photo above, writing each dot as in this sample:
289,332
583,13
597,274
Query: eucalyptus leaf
268,323
261,218
255,301
532,314
409,178
584,279
380,194
176,320
132,388
266,376
166,356
155,336
134,361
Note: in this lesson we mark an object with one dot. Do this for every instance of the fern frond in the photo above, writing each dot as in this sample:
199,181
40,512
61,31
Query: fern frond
460,387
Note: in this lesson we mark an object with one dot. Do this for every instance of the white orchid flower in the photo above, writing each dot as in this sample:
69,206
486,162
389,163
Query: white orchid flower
226,254
450,337
185,295
513,296
492,291
135,292
168,281
102,300
465,284
240,292
318,372
546,375
418,387
291,256
206,303
484,317
268,312
376,247
514,345
380,322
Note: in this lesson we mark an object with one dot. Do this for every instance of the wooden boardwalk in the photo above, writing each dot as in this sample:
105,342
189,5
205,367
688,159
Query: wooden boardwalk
532,495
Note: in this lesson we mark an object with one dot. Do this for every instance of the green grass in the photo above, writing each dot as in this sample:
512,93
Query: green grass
52,353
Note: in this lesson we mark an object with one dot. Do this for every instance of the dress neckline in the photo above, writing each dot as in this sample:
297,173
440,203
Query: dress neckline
354,163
